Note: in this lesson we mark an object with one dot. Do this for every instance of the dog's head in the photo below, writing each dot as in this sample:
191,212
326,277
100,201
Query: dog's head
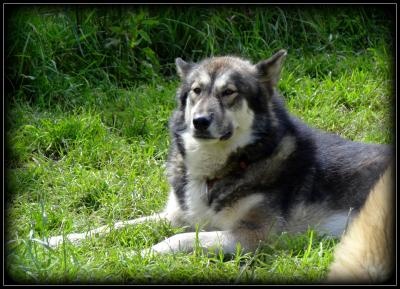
219,96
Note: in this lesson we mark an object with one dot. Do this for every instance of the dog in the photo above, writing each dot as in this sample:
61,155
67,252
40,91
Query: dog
241,167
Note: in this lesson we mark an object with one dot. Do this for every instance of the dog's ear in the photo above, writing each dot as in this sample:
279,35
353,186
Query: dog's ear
182,67
269,70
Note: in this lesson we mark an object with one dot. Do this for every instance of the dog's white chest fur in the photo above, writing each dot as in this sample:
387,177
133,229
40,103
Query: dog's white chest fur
199,211
204,160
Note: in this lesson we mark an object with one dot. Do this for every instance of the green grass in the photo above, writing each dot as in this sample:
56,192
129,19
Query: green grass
90,94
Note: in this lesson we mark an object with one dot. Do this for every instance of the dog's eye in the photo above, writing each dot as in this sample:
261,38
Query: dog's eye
197,90
227,92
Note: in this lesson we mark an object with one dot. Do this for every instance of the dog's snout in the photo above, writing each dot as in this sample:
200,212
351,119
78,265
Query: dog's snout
202,122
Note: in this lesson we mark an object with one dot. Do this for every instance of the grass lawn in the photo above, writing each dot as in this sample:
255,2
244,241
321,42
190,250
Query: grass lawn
86,146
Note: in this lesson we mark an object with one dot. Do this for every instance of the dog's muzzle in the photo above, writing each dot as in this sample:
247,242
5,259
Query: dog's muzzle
202,123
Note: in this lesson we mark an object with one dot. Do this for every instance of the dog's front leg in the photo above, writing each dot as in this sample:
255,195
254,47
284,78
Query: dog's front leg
213,241
187,242
171,213
103,230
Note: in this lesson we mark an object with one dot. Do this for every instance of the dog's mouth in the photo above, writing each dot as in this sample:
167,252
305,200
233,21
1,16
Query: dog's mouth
206,136
203,136
226,136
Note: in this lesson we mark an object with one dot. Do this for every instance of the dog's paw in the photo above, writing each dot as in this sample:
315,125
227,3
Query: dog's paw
58,240
144,253
148,252
158,249
55,241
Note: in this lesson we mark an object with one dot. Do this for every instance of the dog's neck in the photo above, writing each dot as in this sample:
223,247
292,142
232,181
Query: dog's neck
239,161
242,166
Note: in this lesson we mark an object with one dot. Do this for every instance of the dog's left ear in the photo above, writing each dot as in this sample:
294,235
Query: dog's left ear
182,67
269,70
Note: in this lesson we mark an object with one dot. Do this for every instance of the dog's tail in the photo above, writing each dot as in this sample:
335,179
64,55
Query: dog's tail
366,251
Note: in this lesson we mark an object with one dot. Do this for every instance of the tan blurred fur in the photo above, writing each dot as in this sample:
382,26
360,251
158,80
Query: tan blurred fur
366,251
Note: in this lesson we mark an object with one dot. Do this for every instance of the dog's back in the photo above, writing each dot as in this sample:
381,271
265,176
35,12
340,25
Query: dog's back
347,170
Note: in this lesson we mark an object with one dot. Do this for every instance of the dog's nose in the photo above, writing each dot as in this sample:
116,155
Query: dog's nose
202,122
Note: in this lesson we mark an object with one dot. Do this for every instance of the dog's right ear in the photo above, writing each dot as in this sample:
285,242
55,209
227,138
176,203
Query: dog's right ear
269,70
182,67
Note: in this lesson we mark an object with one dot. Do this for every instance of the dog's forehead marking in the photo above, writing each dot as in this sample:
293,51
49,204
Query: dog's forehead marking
224,67
200,77
224,80
218,72
222,63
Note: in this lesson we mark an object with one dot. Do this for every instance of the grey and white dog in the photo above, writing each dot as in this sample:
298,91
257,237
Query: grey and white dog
241,167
